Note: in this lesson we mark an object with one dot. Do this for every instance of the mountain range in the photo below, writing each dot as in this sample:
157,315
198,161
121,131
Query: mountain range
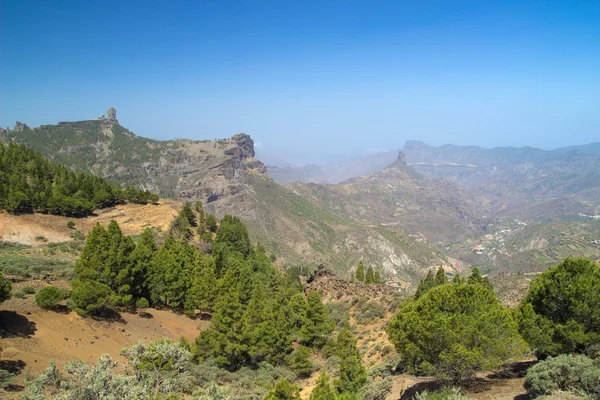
226,177
388,209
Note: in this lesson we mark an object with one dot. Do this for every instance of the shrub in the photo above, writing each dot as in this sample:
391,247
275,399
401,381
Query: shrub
376,390
453,331
19,295
49,297
77,236
576,374
142,303
91,297
369,311
28,289
444,394
71,225
6,379
5,288
41,239
561,313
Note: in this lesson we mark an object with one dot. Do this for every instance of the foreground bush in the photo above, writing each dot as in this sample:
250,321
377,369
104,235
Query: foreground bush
444,394
5,288
455,330
159,371
49,297
561,313
576,374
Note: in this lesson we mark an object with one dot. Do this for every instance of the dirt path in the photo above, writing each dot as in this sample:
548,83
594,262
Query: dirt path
503,385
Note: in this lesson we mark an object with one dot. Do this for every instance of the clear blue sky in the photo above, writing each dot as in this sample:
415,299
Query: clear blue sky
316,80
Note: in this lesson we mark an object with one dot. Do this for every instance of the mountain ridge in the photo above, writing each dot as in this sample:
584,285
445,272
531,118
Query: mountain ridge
226,177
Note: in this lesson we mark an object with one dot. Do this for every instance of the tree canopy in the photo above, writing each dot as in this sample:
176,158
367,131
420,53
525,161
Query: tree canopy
561,313
29,182
454,330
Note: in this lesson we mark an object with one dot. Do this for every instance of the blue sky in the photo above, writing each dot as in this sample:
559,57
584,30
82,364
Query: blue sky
310,80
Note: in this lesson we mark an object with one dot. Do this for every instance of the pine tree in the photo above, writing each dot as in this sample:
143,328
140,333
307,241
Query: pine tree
232,235
188,214
283,390
457,280
324,389
477,278
440,277
360,272
353,374
202,291
297,311
318,325
425,285
141,263
377,277
300,363
369,278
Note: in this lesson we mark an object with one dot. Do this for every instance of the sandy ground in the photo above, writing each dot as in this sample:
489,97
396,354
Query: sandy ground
132,218
31,337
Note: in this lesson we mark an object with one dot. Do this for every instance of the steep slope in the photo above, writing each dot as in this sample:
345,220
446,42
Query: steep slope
399,196
226,177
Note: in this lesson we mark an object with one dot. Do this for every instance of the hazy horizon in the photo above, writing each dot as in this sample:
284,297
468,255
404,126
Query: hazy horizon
313,81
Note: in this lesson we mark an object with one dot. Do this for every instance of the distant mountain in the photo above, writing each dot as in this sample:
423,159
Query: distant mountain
524,182
227,178
332,173
427,207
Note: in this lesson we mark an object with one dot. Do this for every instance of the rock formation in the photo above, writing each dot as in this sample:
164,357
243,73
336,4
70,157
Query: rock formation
112,113
20,127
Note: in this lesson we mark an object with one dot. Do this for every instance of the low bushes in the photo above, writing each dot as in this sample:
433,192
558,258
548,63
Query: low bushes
49,297
576,374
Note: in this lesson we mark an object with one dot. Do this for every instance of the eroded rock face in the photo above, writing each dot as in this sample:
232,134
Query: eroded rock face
245,147
20,127
112,113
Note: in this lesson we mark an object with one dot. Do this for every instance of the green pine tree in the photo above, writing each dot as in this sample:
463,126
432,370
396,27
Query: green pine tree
440,277
318,324
369,277
324,389
360,272
425,285
377,277
477,278
353,374
283,390
300,363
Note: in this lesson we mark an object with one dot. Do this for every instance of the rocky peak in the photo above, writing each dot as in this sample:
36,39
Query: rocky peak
20,127
112,113
400,161
246,145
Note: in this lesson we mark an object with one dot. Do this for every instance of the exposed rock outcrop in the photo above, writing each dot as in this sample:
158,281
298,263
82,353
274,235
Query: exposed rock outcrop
400,161
20,127
112,113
